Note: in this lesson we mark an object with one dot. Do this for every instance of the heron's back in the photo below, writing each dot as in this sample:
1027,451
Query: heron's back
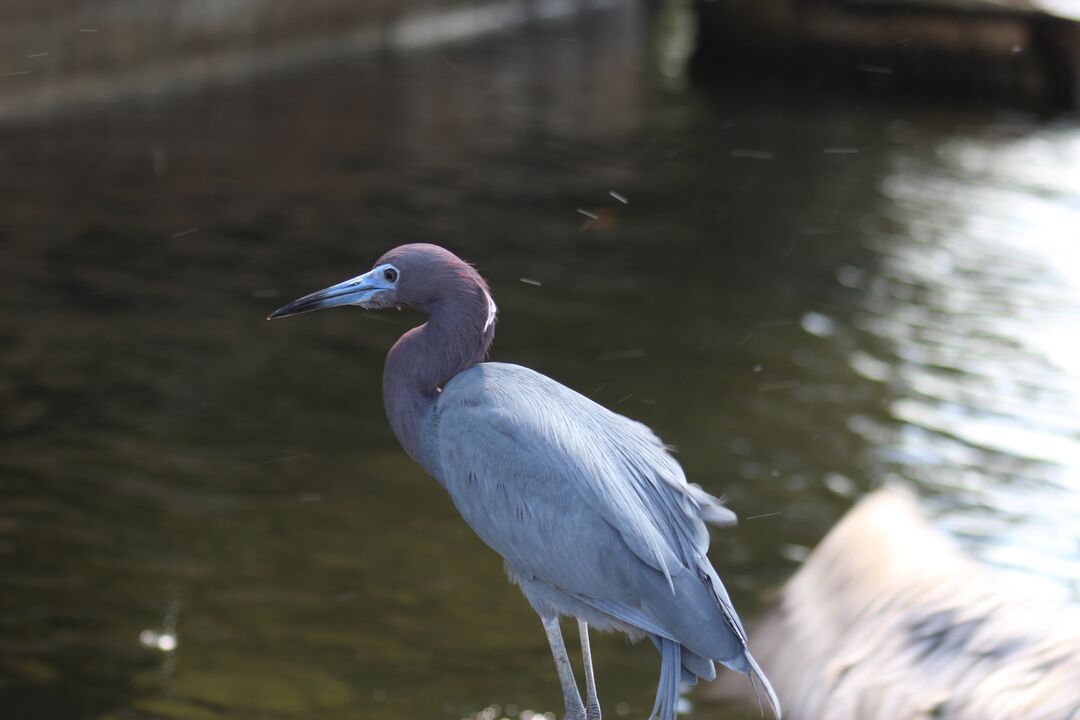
585,503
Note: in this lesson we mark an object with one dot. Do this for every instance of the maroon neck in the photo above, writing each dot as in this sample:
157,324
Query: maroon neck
457,335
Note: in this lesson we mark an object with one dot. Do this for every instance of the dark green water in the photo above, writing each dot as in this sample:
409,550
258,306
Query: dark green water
205,515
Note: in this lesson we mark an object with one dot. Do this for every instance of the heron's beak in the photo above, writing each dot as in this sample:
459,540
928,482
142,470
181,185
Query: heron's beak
359,290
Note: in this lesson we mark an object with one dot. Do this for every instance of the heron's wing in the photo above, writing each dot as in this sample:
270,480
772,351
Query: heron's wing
511,438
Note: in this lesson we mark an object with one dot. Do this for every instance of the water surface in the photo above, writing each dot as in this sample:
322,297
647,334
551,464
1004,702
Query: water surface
205,515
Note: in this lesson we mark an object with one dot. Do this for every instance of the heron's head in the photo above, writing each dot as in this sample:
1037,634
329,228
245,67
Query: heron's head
418,276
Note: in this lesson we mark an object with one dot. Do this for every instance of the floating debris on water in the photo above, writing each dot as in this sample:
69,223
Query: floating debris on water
795,553
841,485
850,276
165,641
818,324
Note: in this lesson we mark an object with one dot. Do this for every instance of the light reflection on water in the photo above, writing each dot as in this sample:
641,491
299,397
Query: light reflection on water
978,296
206,517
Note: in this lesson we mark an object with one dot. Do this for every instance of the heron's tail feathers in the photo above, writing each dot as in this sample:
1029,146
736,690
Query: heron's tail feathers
666,706
756,674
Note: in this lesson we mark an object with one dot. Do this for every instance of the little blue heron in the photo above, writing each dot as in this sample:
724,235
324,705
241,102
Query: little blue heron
594,518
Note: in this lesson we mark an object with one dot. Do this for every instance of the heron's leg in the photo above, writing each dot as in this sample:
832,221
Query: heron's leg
571,697
592,710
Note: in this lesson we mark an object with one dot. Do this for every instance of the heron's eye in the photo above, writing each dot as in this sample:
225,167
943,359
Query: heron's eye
390,274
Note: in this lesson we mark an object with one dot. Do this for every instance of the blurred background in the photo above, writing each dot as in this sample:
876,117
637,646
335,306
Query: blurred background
818,245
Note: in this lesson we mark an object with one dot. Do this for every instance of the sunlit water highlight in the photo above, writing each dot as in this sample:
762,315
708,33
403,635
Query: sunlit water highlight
978,298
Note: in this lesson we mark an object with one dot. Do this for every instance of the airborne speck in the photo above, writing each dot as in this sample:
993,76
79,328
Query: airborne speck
602,386
787,252
184,232
781,385
619,196
586,213
817,230
630,354
138,675
752,154
288,457
530,281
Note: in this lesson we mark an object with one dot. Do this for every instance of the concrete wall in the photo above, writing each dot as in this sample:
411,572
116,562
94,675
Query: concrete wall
58,53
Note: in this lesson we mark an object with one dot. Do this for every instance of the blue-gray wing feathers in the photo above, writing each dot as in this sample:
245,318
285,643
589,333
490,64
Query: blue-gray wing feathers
592,515
588,501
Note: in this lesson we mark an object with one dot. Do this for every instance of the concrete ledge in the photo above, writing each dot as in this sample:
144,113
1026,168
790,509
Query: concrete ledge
61,55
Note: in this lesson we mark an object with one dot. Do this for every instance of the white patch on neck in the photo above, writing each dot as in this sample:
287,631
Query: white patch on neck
492,309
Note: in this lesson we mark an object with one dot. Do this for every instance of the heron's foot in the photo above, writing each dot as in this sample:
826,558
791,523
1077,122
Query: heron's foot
592,712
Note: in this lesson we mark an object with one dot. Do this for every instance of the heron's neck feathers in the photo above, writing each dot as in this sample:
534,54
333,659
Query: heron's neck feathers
457,335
